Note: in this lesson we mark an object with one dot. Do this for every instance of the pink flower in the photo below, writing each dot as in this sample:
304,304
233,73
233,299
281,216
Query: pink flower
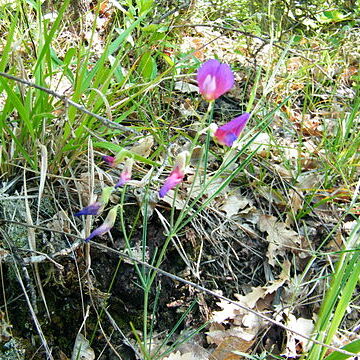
228,133
177,175
175,178
106,226
117,159
125,175
214,79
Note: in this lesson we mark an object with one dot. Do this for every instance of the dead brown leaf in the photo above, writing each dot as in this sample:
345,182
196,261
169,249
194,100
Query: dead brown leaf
225,350
233,203
143,148
296,345
280,237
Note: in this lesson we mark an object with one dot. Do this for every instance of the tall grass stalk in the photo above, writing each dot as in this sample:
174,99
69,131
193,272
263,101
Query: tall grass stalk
338,297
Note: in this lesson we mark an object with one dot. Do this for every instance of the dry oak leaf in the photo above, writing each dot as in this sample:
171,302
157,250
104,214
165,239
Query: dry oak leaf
243,324
295,345
231,311
217,333
233,203
143,148
82,349
226,349
280,238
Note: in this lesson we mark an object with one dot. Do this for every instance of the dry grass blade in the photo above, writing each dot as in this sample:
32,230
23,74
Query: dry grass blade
32,246
43,172
34,317
88,222
16,261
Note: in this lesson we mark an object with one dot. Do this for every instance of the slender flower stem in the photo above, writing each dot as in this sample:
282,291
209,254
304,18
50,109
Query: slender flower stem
205,121
207,142
127,238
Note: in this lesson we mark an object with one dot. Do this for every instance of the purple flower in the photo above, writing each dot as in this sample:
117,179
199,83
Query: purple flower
97,207
101,230
92,209
228,133
125,175
124,178
175,178
110,160
214,79
106,226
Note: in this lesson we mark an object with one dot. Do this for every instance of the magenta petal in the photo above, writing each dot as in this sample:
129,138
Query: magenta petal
175,178
92,209
109,160
214,79
228,133
101,230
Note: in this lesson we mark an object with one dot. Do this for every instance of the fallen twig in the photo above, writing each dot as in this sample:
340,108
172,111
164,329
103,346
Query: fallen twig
106,122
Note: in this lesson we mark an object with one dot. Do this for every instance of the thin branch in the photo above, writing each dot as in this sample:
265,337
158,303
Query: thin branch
190,283
106,122
170,12
265,41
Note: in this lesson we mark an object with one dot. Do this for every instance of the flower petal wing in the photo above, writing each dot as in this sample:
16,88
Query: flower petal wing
92,209
229,132
106,226
224,80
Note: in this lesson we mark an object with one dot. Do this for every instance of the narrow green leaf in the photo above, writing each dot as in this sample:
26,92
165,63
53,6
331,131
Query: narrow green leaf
147,67
23,112
6,51
353,347
51,34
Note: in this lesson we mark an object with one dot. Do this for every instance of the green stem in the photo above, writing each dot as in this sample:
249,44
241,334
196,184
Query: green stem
205,121
207,142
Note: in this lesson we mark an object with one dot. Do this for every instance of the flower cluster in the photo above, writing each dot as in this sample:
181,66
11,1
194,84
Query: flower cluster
214,79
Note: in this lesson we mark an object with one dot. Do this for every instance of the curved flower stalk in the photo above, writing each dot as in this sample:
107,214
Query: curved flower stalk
177,175
214,79
228,133
141,148
97,207
125,175
107,224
